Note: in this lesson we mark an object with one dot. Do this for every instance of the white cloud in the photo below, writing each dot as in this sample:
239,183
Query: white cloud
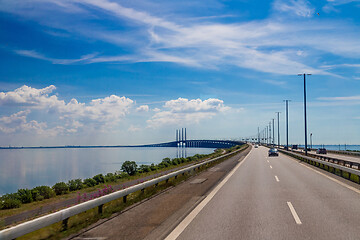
142,108
276,83
17,122
182,111
99,113
348,98
34,54
300,8
132,128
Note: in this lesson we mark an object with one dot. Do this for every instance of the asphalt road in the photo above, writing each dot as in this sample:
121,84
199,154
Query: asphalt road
275,198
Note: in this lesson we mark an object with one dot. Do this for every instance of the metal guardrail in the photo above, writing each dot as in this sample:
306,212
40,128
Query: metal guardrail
338,161
357,154
65,214
324,162
340,152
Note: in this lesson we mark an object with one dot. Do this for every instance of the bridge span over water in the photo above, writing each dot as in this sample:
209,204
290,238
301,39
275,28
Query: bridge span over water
196,144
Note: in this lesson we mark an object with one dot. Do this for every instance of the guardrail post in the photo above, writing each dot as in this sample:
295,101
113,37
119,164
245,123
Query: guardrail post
64,226
100,209
167,180
156,184
143,190
175,176
124,198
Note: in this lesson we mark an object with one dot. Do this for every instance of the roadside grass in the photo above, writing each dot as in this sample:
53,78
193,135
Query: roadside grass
85,219
139,176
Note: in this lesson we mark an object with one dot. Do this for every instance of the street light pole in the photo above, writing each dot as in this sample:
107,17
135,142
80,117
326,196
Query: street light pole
278,115
273,127
270,132
287,124
304,74
311,140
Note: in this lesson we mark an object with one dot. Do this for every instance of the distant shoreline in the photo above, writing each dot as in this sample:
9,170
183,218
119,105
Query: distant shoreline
46,147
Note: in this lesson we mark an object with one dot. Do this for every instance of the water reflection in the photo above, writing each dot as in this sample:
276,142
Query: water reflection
27,168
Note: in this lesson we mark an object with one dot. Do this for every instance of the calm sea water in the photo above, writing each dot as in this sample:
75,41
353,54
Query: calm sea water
28,168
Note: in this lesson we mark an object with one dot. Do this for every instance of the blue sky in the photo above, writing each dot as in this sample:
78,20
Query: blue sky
131,72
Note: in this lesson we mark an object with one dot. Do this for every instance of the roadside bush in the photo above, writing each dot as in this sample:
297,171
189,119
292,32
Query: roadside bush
110,177
45,191
89,182
144,168
175,161
120,174
25,195
163,165
60,188
9,201
153,167
36,195
166,160
99,178
130,167
75,184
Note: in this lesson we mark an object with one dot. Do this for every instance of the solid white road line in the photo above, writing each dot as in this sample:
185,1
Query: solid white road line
277,179
293,212
270,166
333,179
267,160
188,219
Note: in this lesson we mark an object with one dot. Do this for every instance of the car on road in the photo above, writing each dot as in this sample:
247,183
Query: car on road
256,146
321,151
273,152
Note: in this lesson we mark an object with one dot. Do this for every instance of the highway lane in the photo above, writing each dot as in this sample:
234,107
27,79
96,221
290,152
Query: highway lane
276,198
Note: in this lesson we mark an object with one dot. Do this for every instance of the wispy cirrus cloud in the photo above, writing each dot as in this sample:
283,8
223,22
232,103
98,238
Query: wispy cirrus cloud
271,45
332,4
347,98
34,54
300,8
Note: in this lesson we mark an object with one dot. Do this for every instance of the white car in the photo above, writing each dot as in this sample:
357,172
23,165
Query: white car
256,146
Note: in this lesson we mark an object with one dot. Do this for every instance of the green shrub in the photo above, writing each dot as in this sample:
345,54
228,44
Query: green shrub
130,167
60,188
45,191
144,168
99,178
36,195
75,184
120,174
89,182
166,160
153,167
9,201
25,195
110,177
